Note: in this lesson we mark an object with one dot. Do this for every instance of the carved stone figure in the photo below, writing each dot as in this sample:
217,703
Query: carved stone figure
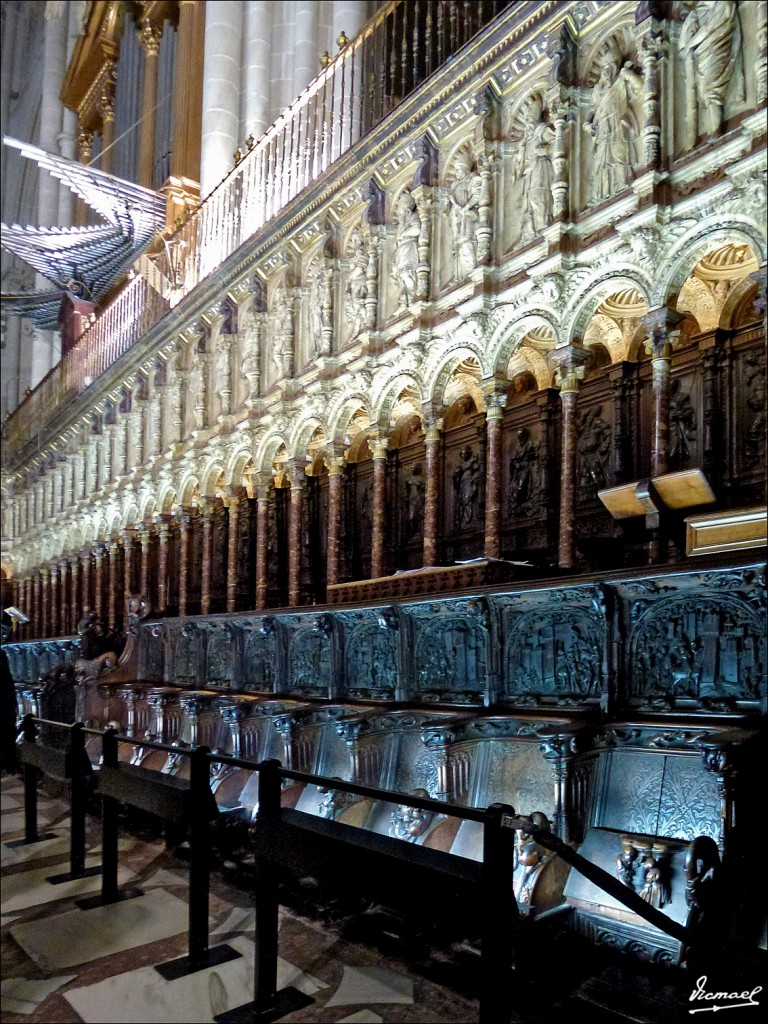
626,863
464,197
356,291
594,448
409,823
282,332
682,427
522,469
321,308
754,439
710,45
533,167
614,126
412,517
466,488
405,263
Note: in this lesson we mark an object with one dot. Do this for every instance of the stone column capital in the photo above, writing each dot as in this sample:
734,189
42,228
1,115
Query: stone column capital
663,326
571,361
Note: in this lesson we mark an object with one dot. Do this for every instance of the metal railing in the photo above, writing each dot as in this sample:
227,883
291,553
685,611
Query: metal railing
396,51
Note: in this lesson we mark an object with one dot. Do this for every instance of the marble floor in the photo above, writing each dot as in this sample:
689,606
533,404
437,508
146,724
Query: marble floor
63,964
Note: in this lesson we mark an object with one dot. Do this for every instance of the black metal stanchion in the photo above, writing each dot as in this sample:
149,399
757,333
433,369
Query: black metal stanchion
76,769
268,1004
31,778
499,917
201,808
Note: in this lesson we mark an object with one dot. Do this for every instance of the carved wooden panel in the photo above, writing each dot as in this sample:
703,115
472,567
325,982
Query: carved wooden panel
309,663
195,566
154,643
172,580
278,501
463,490
370,656
358,519
187,654
514,773
450,653
246,553
748,456
260,659
314,539
219,532
221,655
407,502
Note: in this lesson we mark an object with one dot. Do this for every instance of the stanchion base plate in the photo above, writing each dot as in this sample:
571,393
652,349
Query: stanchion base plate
68,876
15,843
181,967
89,902
286,1001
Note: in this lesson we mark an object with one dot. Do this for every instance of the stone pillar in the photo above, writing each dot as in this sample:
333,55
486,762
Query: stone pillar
74,587
233,514
98,580
494,411
294,536
185,527
188,91
128,539
53,569
69,124
25,604
431,491
150,43
571,369
45,602
663,335
85,580
256,71
114,549
305,48
349,16
221,90
144,539
378,511
650,50
54,59
335,464
205,581
164,533
261,545
63,598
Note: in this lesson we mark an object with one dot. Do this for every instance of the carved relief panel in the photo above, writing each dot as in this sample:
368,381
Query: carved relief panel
309,662
371,657
260,657
450,653
464,493
187,654
221,655
749,427
529,170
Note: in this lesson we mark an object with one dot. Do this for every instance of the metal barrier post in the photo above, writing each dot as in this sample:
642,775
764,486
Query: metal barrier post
109,825
199,859
499,918
77,801
31,776
266,902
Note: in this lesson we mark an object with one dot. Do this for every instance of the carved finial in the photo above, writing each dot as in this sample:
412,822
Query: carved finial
343,40
325,59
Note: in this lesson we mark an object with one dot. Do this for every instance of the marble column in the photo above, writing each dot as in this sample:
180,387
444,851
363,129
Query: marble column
164,534
297,477
69,124
335,464
305,48
188,91
63,598
114,549
185,529
494,411
571,370
257,79
149,37
233,514
41,602
663,334
85,580
98,580
53,569
128,539
221,91
262,506
53,63
208,511
378,511
144,540
431,491
75,610
349,16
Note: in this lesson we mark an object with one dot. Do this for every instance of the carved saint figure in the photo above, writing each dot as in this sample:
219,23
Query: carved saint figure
320,309
466,486
357,284
282,334
655,889
405,262
710,43
522,467
682,427
594,447
413,503
533,166
625,865
464,197
614,126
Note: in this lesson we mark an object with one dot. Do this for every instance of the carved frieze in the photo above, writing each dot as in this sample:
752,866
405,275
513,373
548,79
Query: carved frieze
309,663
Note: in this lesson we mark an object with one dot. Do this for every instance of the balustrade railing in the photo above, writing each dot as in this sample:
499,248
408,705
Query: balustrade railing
396,51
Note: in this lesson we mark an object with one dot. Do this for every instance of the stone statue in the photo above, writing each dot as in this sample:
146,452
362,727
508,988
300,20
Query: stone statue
710,44
522,467
614,126
466,486
321,309
405,262
533,167
356,291
282,333
594,448
464,197
682,427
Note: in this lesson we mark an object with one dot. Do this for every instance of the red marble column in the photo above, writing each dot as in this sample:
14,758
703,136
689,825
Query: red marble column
144,538
164,532
86,583
378,510
114,585
662,337
431,491
75,611
205,582
493,427
38,619
294,537
261,547
55,599
98,580
335,466
233,514
45,602
569,397
63,598
128,539
185,527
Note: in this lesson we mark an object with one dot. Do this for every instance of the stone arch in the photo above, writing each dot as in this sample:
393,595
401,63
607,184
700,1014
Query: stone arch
188,485
303,432
209,478
694,245
148,506
131,514
466,341
266,451
236,466
590,297
510,338
390,392
528,360
737,303
340,418
165,499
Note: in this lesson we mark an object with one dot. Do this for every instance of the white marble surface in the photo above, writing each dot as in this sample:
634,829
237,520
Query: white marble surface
241,919
371,985
23,995
80,936
30,888
22,854
362,1017
12,822
9,803
165,877
142,995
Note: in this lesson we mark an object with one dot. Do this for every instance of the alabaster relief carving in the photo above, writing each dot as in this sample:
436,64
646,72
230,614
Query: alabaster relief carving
356,286
405,256
318,294
465,198
282,330
711,51
614,121
533,139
